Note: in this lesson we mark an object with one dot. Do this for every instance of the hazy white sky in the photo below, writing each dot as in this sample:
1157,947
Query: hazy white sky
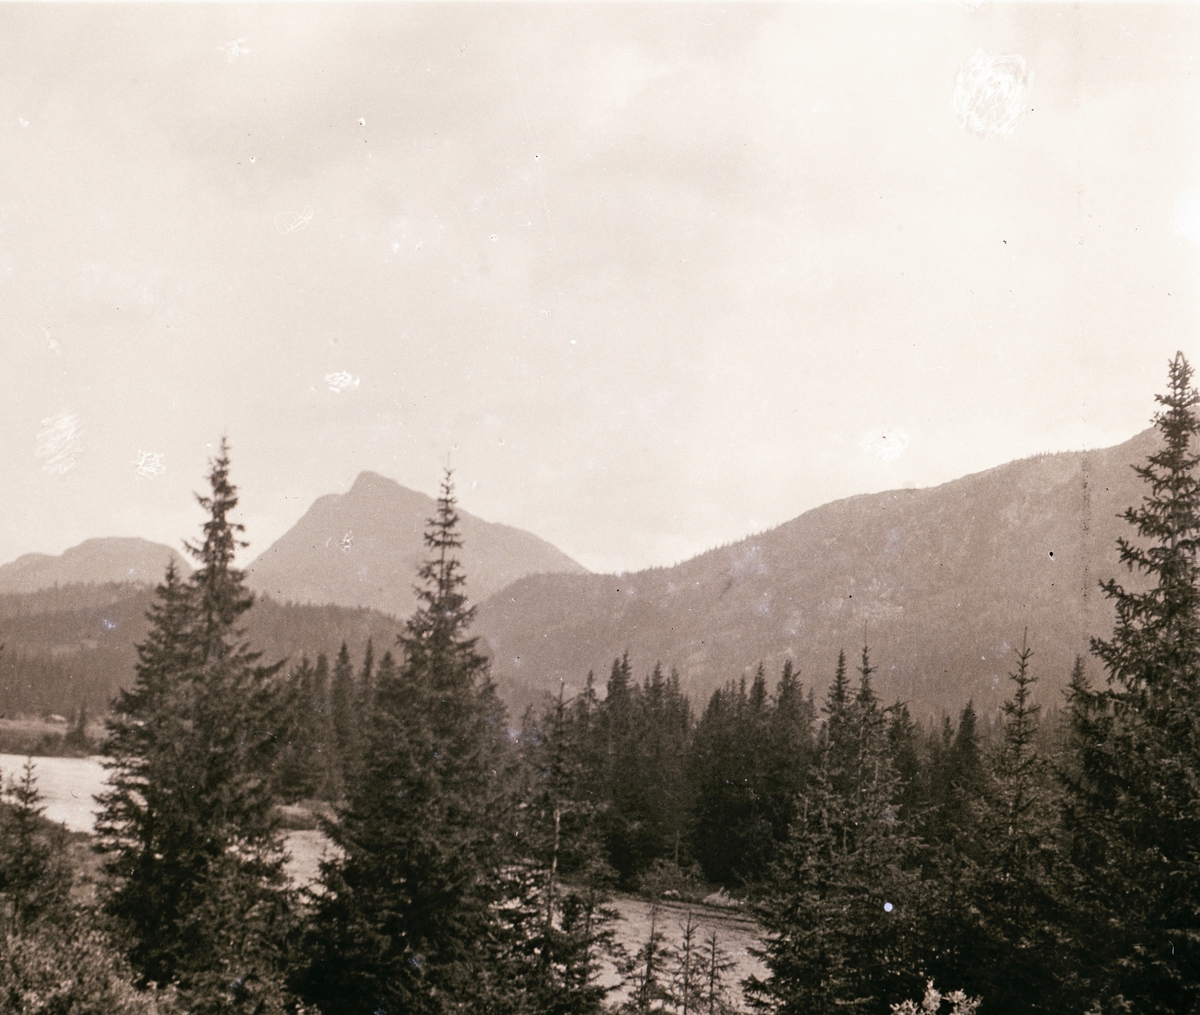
655,277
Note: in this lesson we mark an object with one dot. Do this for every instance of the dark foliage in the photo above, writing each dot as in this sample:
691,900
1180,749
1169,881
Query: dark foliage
1134,784
408,918
187,826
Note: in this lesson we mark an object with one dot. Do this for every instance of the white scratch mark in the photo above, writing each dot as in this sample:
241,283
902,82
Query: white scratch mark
885,443
989,93
51,343
59,442
347,541
341,381
150,464
287,222
233,49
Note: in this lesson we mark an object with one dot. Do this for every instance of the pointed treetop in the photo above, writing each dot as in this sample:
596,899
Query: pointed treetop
222,593
866,694
839,690
434,637
1156,639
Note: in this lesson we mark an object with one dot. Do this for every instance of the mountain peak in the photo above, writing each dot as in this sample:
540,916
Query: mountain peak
367,481
363,548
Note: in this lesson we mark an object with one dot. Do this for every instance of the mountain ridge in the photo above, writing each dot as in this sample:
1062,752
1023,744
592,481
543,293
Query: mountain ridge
96,561
941,581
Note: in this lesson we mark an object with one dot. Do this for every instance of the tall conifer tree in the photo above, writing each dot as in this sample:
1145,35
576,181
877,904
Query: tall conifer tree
1135,807
406,922
342,722
845,894
187,822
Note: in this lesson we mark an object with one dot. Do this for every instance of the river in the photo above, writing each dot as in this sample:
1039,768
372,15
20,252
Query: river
69,787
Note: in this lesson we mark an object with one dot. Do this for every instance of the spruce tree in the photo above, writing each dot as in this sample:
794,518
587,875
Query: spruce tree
186,823
299,770
342,722
845,892
1135,785
566,879
321,738
996,919
407,921
35,877
790,755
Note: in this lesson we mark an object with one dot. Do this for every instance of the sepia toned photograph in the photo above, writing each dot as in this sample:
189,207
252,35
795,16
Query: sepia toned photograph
580,508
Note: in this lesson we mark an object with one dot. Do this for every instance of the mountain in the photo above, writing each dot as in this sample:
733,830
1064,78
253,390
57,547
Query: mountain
92,562
941,582
363,548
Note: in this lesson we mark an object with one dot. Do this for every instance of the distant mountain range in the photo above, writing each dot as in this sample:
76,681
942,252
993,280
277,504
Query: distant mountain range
363,548
941,582
93,562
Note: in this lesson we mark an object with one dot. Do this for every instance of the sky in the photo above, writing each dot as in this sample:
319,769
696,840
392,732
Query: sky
650,278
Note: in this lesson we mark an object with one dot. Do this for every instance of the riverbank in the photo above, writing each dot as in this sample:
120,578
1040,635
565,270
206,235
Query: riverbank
69,787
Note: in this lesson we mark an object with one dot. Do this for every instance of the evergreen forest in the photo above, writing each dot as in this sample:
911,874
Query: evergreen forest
1046,859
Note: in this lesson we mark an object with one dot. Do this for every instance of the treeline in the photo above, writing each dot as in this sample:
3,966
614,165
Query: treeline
666,794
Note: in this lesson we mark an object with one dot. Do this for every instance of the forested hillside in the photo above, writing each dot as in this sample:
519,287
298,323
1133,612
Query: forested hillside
75,646
940,582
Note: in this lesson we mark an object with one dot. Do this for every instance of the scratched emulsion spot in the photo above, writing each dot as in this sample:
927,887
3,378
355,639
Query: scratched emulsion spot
233,49
989,93
288,222
149,464
59,442
885,443
341,381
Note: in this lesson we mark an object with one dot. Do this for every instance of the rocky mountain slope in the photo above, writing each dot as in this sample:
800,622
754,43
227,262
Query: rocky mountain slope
941,582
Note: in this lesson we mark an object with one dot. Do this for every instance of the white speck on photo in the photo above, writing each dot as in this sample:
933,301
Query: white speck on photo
59,442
